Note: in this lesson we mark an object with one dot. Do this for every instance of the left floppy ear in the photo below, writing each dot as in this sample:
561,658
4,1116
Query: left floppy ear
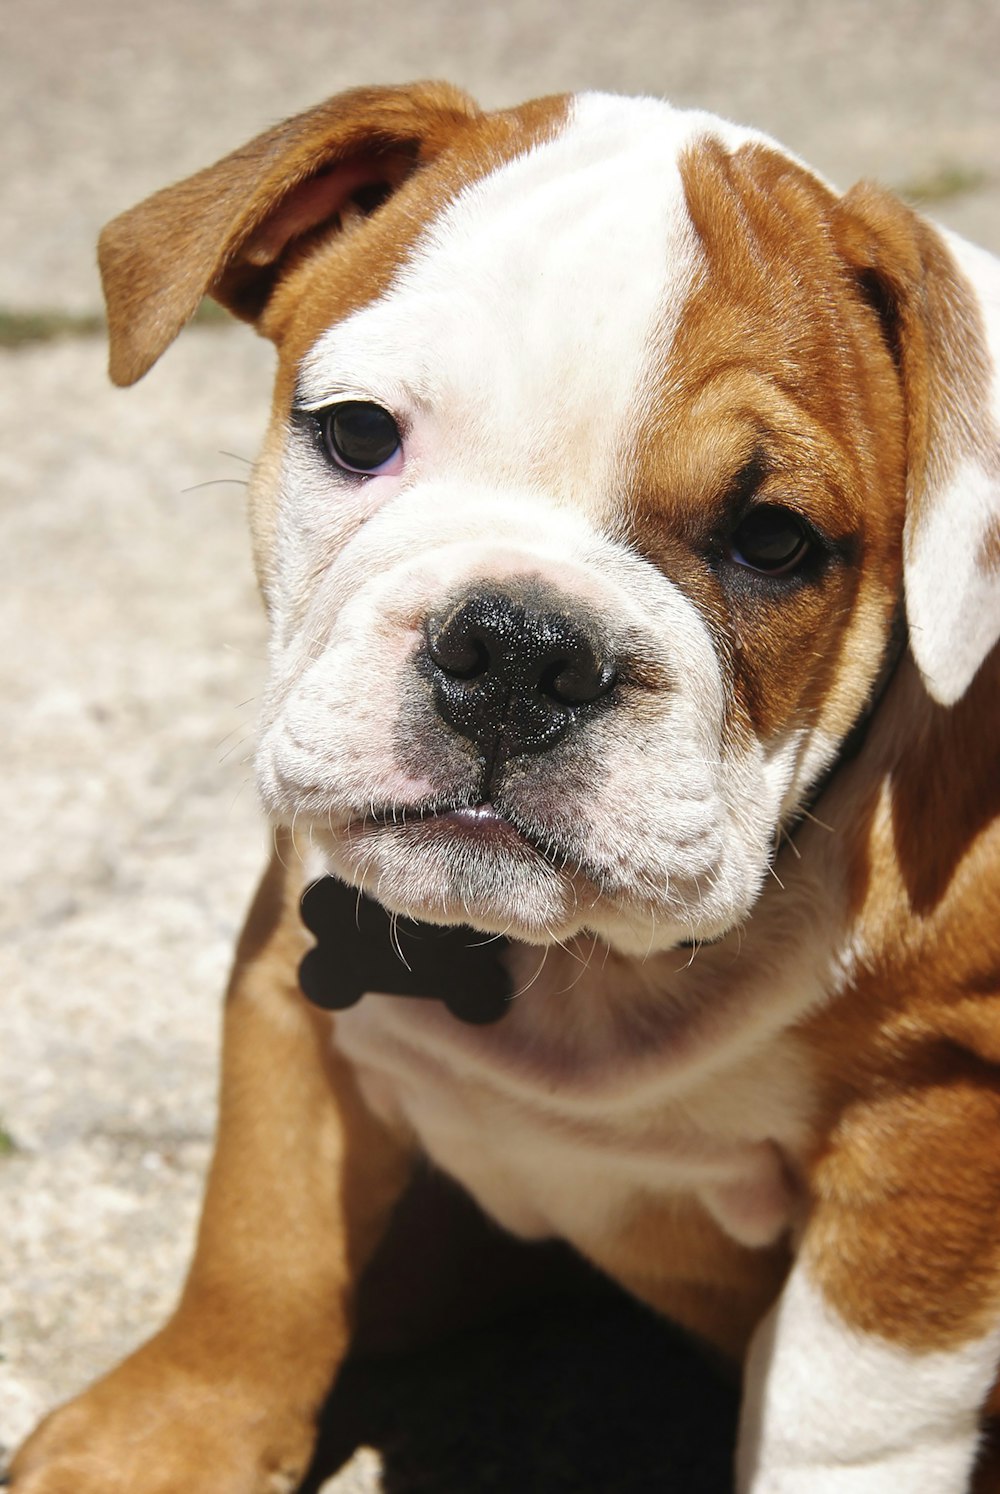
232,230
939,301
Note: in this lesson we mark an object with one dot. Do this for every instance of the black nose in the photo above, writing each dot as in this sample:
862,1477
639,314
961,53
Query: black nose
512,673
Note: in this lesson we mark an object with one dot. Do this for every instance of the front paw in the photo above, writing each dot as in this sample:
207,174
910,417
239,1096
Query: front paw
153,1428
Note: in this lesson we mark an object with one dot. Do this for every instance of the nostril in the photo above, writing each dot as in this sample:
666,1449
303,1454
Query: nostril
576,681
462,658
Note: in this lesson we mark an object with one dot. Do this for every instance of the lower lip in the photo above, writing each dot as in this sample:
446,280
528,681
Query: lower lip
481,824
480,820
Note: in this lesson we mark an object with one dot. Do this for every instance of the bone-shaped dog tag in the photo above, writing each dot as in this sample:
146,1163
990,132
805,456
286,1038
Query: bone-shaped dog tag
360,948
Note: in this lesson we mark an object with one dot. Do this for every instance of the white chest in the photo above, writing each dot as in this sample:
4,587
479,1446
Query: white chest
560,1122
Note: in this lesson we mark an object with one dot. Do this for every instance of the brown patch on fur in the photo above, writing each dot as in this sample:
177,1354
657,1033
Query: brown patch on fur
241,227
776,362
313,1128
675,1258
903,1234
342,273
205,235
988,557
301,1188
946,796
934,328
271,232
849,377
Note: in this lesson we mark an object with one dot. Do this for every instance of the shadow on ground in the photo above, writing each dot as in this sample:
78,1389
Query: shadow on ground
580,1392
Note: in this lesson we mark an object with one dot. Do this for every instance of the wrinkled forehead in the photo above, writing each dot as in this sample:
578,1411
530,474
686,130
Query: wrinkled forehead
528,324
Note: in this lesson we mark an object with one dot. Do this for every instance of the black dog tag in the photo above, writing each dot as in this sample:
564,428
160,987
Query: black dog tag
360,947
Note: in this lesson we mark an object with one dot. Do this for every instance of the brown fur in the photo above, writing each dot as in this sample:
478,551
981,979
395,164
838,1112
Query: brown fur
907,1184
760,371
933,328
207,234
300,1189
674,1257
907,1187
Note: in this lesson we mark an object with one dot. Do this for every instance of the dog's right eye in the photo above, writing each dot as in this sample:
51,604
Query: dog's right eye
771,540
360,437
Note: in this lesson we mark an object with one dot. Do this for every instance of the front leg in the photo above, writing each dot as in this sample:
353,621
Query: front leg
831,1410
224,1399
871,1373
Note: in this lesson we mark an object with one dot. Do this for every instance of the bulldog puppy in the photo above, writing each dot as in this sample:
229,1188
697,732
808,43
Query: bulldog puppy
629,529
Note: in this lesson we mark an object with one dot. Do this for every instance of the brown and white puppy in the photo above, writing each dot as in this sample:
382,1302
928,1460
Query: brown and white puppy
609,446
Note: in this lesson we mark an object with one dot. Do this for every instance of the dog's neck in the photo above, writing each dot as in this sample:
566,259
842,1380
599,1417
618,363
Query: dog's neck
852,744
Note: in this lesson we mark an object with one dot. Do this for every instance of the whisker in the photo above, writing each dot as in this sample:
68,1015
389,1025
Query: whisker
531,982
239,789
584,967
234,747
215,482
815,820
394,939
277,847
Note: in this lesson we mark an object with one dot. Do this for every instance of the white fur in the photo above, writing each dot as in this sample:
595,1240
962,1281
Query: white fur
829,1410
522,325
952,593
564,1120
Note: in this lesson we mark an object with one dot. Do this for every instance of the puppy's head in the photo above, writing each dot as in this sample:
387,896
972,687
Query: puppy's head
604,437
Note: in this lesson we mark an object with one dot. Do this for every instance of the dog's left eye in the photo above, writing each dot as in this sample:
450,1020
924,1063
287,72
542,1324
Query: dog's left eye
771,540
360,437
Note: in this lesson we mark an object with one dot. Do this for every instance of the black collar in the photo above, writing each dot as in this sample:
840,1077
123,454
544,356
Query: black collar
852,744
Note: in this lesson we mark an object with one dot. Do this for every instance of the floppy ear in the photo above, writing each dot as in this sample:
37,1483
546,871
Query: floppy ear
939,300
227,231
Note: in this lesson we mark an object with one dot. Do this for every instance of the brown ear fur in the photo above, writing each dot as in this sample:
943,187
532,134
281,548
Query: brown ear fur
930,320
936,298
224,231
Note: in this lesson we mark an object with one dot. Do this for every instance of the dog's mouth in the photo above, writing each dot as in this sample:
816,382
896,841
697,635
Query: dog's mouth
490,865
473,862
482,826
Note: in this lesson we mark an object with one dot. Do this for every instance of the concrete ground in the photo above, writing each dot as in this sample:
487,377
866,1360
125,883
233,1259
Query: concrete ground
133,651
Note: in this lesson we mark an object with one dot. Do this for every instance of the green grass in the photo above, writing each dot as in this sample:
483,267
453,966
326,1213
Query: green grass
946,181
22,329
8,1146
211,314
